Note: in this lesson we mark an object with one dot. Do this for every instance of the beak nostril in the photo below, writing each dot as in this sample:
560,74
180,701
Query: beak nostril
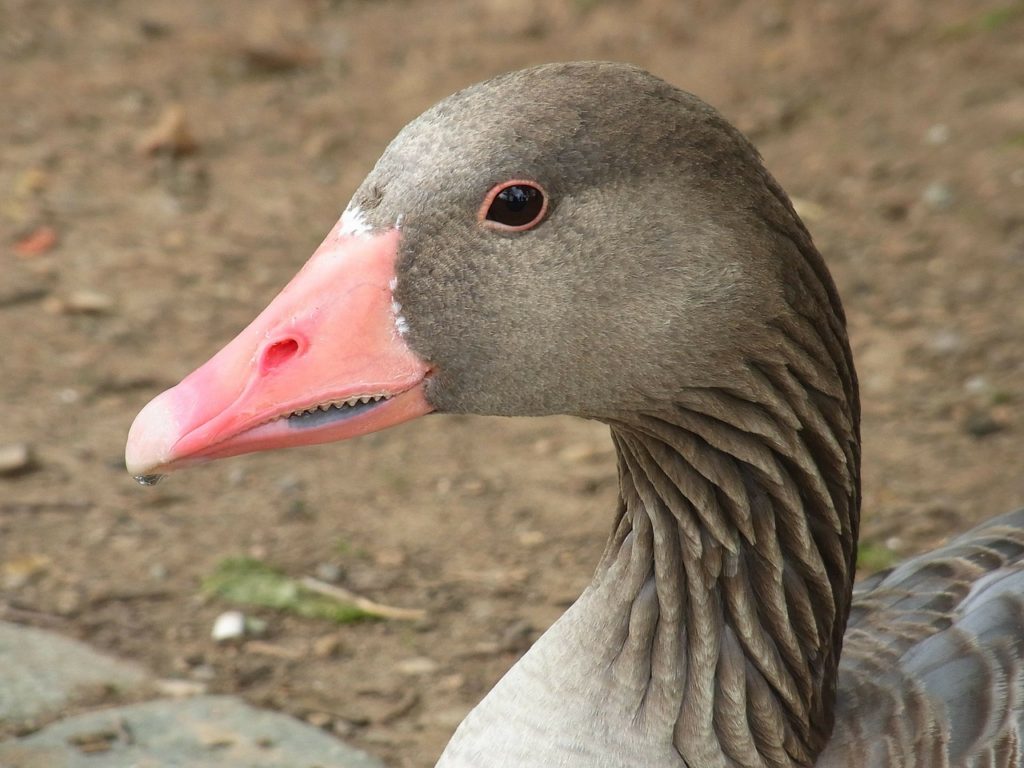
277,353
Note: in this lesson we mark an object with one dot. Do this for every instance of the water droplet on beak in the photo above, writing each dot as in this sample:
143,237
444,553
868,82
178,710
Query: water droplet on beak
148,479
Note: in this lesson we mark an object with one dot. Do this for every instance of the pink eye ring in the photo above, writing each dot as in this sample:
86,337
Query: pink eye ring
514,206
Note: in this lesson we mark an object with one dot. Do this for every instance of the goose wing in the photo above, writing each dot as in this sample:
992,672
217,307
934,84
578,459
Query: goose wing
932,672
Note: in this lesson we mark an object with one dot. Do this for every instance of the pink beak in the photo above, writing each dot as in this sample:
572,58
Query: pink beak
325,361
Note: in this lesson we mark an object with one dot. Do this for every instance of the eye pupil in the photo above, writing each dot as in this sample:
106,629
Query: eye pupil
517,205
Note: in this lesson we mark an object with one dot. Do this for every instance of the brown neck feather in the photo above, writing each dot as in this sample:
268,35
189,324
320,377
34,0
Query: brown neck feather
742,506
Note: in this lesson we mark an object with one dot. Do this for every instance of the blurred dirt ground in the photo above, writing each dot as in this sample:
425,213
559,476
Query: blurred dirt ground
166,167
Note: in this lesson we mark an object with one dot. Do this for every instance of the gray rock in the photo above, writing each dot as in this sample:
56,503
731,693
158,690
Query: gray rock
204,732
42,673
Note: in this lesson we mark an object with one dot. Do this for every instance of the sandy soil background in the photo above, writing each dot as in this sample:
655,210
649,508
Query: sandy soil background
130,253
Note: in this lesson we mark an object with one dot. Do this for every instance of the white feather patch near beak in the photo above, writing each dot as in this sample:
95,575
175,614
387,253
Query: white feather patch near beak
401,324
353,223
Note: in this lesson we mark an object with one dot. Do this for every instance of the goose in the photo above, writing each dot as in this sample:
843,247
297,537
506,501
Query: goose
586,239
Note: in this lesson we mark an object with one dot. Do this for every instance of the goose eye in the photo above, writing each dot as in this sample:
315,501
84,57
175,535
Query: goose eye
514,206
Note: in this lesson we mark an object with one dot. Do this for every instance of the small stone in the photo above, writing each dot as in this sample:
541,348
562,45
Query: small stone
16,459
938,196
418,665
327,646
976,385
69,396
179,689
937,134
319,719
329,572
452,682
158,572
532,538
230,625
82,302
486,648
945,341
171,135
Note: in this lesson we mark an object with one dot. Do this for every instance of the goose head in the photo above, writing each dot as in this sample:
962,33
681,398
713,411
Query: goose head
586,239
571,239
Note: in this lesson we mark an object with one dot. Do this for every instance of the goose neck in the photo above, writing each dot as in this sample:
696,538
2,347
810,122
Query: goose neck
732,562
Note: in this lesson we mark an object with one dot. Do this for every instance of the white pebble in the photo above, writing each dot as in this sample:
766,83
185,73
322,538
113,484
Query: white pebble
976,385
418,665
68,396
230,625
938,196
945,341
180,689
937,134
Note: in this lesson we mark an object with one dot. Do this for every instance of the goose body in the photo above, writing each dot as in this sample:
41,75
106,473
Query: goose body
586,239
